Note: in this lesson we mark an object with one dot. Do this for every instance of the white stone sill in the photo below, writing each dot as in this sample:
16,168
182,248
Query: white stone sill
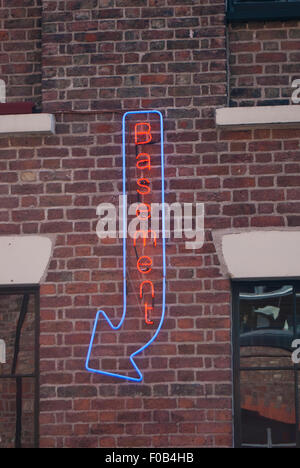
22,124
264,116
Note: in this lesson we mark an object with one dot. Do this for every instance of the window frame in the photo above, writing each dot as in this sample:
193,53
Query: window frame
262,11
235,287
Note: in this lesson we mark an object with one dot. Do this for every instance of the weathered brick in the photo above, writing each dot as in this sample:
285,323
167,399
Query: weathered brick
98,63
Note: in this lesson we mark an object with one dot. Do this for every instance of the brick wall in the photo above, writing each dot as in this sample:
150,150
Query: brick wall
98,62
20,49
262,178
131,55
264,61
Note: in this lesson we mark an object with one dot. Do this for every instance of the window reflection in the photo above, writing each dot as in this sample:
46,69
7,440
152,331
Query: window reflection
268,408
267,317
268,379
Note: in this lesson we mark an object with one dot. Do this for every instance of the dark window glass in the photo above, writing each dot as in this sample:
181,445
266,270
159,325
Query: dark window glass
266,321
258,10
19,367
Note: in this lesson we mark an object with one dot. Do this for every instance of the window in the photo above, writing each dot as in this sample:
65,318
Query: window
258,10
19,367
266,321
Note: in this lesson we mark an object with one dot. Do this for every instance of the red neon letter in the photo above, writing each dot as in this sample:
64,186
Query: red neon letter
144,264
144,234
143,130
142,285
147,308
144,184
144,163
145,208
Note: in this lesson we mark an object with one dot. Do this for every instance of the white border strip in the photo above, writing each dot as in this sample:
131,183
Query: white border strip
26,124
252,116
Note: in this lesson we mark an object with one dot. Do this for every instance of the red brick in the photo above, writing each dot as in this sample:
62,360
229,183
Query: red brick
239,182
266,221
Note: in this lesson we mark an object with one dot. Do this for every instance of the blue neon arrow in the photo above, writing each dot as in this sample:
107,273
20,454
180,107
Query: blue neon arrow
101,313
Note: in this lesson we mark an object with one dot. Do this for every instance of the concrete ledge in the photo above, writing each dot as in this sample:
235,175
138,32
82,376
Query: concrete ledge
263,253
248,117
27,124
24,259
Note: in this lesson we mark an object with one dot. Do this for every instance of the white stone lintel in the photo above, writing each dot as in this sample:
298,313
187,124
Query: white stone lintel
267,116
259,253
25,259
27,124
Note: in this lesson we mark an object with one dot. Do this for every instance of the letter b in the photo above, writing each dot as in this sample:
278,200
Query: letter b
142,133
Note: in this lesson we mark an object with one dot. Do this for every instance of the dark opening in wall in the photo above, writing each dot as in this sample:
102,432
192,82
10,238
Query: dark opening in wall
245,10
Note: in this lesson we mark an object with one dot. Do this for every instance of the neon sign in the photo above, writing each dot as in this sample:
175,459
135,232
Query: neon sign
143,135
